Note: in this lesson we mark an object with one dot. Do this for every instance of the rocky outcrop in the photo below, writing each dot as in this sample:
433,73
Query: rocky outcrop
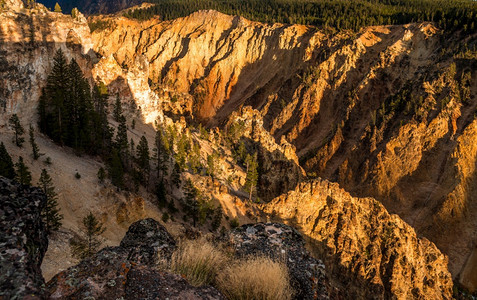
368,253
282,242
23,241
128,271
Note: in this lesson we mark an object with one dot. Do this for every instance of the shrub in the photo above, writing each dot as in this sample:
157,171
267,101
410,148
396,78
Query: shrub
77,175
198,261
234,223
48,160
165,217
255,278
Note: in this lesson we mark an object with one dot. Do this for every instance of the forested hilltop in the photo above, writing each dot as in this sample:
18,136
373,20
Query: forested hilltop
339,14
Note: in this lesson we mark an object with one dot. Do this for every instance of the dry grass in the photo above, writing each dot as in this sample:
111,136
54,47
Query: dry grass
257,278
198,261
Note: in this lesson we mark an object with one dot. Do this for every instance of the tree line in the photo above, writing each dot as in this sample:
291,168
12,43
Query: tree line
338,14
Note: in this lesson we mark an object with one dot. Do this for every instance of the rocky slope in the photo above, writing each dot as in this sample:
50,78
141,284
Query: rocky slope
387,112
368,253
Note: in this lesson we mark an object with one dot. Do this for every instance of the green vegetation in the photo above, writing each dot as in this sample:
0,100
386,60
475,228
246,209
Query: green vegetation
23,175
339,14
99,25
57,8
70,114
14,122
51,213
34,147
88,242
6,164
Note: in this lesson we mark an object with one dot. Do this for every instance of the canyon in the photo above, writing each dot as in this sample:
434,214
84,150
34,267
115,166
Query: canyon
366,140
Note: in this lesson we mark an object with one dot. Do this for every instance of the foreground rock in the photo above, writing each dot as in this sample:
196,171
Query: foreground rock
128,271
368,252
274,240
23,241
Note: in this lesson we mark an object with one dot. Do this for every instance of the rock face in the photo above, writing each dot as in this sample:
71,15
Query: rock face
368,253
387,112
23,241
28,40
275,240
128,271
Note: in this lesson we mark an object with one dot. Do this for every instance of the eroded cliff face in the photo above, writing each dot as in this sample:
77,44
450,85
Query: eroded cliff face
29,38
387,112
369,253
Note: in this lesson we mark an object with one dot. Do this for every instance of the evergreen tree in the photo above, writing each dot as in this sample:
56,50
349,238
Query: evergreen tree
142,153
6,163
211,165
121,142
116,170
51,214
217,218
74,13
101,175
161,154
23,175
176,175
87,244
101,131
161,194
34,146
57,8
190,204
52,102
252,174
117,109
78,109
14,122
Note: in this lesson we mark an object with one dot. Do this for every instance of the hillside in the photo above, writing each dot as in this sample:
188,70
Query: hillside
255,121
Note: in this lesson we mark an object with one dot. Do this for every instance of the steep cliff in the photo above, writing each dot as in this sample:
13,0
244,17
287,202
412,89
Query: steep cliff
369,253
29,37
387,112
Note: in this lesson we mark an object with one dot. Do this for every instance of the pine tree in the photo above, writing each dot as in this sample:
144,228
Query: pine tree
78,109
23,175
252,174
190,204
161,154
121,141
142,153
211,165
101,175
53,119
57,8
176,175
117,109
14,122
88,243
74,13
51,214
161,194
217,218
34,146
101,131
116,170
6,164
